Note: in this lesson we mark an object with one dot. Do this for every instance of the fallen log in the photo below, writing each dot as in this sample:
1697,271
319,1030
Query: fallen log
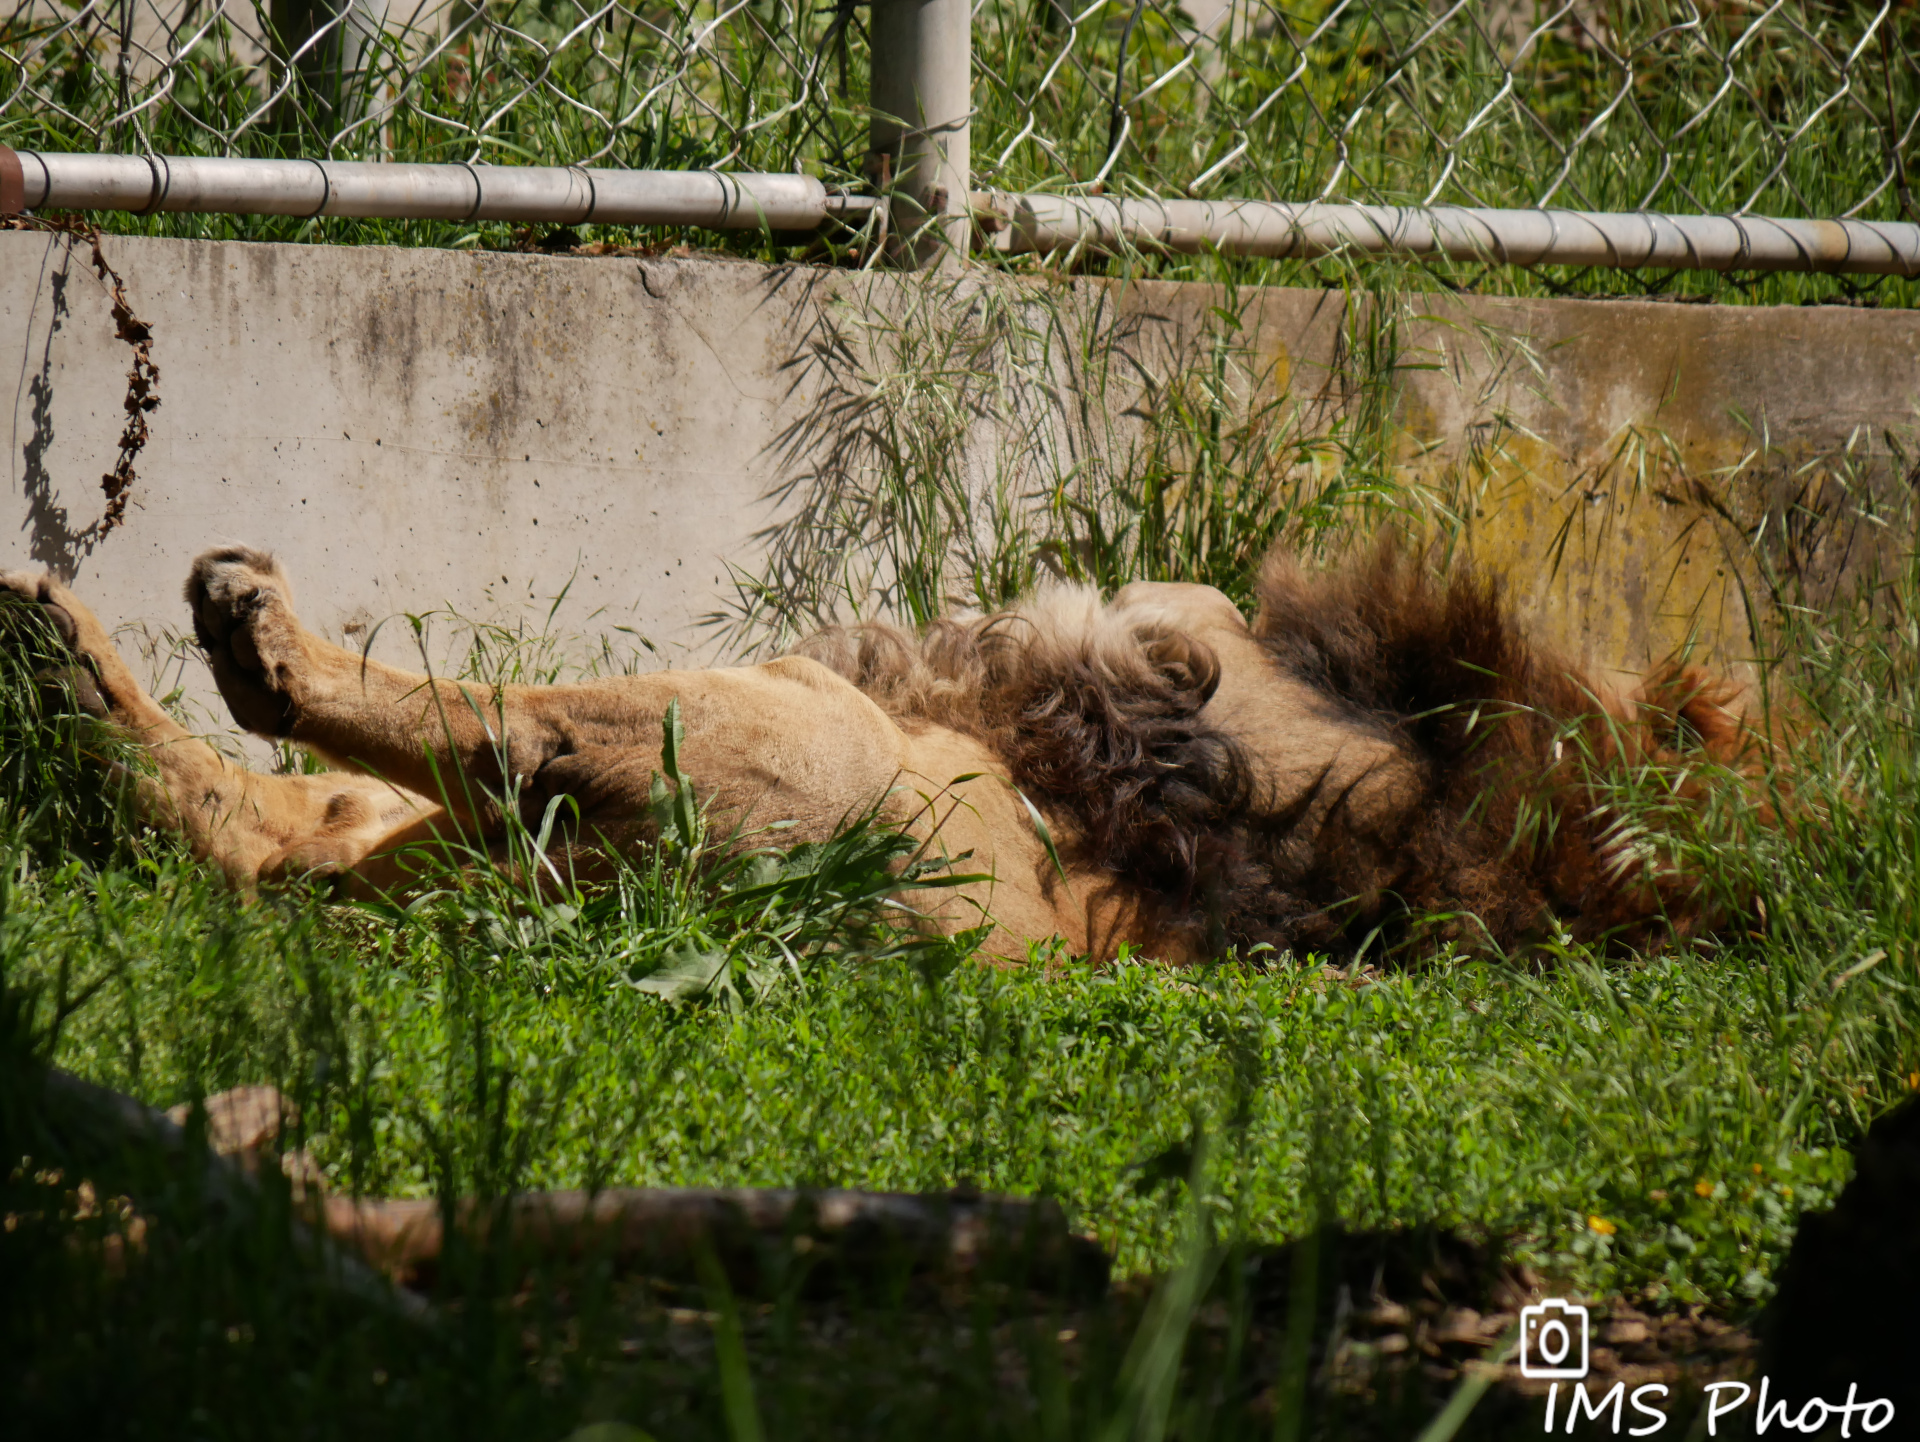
89,1129
761,1237
757,1235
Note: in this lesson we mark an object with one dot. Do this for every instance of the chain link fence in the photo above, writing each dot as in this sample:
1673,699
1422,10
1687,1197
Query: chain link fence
741,85
1789,108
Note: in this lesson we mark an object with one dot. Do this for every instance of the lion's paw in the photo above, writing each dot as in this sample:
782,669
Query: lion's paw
243,618
79,633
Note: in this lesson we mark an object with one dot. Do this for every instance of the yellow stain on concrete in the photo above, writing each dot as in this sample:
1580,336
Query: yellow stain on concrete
1619,564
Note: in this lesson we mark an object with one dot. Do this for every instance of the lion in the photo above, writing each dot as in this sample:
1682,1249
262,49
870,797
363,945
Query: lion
1380,759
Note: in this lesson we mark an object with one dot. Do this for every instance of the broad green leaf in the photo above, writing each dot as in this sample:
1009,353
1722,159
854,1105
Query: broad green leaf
686,973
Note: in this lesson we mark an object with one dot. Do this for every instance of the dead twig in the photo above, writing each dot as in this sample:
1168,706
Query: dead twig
143,380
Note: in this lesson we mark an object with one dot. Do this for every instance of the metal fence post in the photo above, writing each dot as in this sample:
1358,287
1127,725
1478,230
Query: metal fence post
922,117
333,70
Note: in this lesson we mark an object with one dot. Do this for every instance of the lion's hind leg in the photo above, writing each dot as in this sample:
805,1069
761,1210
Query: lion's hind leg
247,823
103,685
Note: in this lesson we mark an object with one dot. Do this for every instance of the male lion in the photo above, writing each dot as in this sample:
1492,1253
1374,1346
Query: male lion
1381,757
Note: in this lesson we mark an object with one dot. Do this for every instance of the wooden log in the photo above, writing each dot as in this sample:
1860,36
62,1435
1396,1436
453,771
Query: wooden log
90,1129
757,1234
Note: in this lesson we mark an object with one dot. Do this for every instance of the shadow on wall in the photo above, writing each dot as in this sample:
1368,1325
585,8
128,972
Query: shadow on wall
53,541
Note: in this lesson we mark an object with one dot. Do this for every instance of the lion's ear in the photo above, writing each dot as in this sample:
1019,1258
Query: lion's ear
1188,664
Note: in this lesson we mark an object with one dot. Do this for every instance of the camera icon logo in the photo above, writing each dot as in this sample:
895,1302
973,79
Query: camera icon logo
1553,1340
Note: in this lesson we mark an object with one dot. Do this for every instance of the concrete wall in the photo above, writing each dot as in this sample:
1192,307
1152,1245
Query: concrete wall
1655,477
408,430
416,429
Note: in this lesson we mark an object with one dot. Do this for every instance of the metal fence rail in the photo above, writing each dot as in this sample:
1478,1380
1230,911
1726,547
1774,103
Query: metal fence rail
1788,108
1640,240
563,195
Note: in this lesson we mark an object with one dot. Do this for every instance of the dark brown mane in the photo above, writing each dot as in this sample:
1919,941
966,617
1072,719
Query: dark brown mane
1100,726
1513,836
1100,717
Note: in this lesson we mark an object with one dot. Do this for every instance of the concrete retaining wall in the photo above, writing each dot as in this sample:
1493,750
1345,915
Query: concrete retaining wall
415,429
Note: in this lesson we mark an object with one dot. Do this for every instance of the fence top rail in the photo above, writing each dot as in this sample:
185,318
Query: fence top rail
1781,107
1626,240
146,184
1009,224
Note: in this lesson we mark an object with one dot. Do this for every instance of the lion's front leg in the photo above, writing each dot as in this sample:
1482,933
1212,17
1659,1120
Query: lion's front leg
784,741
280,680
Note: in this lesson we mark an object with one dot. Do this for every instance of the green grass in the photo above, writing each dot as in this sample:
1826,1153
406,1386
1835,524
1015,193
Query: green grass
1647,1125
1116,456
1473,1093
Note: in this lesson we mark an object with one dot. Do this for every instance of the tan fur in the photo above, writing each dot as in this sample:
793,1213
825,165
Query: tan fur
1206,783
787,741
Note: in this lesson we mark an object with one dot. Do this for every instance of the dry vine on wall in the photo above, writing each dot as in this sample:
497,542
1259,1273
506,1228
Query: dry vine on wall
143,380
143,395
